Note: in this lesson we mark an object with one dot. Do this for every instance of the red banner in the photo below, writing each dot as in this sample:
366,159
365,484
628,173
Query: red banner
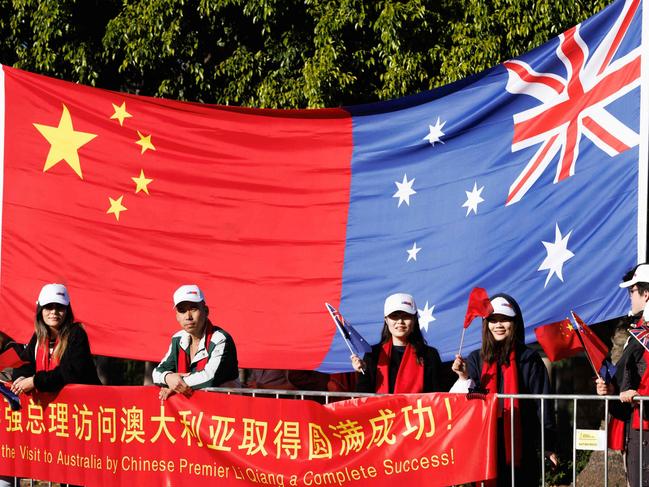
95,435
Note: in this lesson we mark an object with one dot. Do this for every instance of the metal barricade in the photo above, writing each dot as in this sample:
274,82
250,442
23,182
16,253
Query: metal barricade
328,397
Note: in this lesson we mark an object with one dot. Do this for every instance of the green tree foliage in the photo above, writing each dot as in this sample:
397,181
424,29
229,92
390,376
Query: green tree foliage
275,53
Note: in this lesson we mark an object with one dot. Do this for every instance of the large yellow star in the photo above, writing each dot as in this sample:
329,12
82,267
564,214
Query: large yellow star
144,142
120,113
64,142
141,183
116,206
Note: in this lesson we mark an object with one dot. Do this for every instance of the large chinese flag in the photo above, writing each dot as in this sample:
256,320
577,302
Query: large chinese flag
124,198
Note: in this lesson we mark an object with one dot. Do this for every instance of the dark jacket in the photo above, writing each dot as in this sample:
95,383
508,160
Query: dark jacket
432,366
75,367
532,379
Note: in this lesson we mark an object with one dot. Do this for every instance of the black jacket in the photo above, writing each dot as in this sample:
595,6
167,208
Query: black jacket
432,365
532,379
75,367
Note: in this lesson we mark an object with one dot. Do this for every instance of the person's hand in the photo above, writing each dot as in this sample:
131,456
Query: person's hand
357,363
23,385
627,396
459,367
176,383
602,388
554,459
165,393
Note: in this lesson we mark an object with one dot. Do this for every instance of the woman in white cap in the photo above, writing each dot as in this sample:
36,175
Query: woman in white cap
505,365
402,363
58,352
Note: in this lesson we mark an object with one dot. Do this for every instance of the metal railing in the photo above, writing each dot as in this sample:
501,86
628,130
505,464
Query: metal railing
328,397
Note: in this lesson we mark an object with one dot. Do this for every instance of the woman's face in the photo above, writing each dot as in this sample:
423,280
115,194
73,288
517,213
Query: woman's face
54,315
500,326
400,325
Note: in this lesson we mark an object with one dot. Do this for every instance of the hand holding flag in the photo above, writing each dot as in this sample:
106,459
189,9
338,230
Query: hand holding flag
355,342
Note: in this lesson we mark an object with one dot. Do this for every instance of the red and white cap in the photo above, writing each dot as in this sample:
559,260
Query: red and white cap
502,307
53,293
399,302
188,292
641,274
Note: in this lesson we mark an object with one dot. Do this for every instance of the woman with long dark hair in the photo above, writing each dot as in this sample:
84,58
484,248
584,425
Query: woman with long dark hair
58,352
505,365
401,362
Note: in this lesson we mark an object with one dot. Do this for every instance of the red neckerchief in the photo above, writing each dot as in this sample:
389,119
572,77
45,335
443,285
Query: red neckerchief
488,381
184,361
44,360
410,376
643,390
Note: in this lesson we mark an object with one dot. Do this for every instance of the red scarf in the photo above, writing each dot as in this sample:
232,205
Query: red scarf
643,390
184,361
489,381
410,376
45,361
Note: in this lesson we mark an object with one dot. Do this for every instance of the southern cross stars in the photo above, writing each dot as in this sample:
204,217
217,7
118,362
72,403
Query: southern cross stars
435,132
412,253
64,142
473,199
557,255
404,190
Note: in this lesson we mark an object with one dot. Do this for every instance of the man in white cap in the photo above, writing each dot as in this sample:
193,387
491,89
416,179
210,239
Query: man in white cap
201,354
631,379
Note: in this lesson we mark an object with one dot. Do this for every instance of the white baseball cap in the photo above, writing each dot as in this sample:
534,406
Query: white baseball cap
399,302
188,292
53,293
641,274
502,307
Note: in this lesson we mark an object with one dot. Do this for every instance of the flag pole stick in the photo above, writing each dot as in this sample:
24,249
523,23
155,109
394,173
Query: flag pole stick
459,352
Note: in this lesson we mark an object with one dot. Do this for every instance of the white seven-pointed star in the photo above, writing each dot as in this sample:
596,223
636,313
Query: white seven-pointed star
473,199
404,190
435,132
558,254
426,316
412,253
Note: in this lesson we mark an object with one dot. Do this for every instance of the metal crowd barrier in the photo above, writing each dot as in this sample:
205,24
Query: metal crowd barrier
328,397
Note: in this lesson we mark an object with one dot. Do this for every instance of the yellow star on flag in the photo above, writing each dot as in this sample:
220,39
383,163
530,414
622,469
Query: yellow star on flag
141,183
144,142
64,142
116,206
120,113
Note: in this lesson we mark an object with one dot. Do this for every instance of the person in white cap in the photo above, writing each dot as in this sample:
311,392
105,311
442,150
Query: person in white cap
402,363
631,379
58,352
201,354
504,364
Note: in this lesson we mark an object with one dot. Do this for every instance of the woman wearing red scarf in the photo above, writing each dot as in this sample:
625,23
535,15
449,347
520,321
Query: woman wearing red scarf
58,352
505,365
402,363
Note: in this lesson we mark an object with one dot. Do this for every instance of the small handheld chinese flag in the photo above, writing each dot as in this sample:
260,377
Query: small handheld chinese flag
478,305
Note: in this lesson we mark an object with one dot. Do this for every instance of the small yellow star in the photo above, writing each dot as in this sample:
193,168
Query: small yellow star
141,183
120,113
116,206
64,142
145,142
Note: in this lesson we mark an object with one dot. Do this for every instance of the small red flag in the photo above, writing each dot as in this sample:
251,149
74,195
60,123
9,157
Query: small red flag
10,359
559,340
593,345
479,305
